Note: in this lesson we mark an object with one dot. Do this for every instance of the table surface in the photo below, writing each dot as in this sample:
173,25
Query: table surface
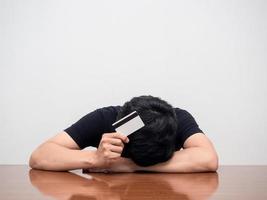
230,182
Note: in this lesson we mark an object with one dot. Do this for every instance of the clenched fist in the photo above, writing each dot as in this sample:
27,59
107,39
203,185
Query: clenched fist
110,148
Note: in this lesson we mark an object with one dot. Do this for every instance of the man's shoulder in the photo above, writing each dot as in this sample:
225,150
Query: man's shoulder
181,113
184,116
109,110
109,114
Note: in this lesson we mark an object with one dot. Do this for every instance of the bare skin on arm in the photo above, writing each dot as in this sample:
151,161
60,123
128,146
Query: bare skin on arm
198,155
61,153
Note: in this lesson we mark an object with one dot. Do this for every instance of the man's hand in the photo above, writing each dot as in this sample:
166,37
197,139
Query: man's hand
109,149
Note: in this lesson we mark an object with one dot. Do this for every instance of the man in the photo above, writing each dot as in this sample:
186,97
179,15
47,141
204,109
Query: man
170,141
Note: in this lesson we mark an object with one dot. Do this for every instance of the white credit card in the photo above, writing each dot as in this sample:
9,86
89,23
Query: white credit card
129,124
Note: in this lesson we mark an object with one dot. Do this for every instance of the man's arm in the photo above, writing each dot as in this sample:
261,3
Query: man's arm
198,155
61,153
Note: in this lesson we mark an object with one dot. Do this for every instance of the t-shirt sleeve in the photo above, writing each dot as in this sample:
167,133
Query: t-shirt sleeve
88,130
187,126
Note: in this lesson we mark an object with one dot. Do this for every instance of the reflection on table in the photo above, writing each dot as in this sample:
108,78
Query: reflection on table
67,185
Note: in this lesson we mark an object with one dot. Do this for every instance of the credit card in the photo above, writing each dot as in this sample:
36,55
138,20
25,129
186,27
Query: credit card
129,124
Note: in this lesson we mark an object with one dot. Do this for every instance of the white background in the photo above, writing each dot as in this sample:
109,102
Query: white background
60,60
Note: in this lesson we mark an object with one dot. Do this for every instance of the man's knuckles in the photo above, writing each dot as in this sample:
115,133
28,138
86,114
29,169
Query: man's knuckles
105,146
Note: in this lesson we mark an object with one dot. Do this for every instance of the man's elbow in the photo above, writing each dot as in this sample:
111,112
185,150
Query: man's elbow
35,162
212,162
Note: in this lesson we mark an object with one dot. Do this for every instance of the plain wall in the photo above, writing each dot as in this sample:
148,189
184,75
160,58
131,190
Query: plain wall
60,60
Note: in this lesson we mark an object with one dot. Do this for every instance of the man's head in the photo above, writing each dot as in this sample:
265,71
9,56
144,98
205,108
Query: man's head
154,143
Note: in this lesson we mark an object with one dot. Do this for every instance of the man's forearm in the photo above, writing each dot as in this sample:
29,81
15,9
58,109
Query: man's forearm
194,159
51,156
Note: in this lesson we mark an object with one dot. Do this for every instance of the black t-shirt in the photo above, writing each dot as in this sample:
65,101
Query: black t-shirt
89,129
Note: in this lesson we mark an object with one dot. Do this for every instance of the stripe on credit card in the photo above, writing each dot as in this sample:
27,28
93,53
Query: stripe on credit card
129,124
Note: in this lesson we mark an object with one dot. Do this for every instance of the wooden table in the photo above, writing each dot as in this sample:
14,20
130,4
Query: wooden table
230,182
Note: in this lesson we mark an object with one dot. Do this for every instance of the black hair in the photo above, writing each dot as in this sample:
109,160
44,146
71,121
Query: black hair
153,143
